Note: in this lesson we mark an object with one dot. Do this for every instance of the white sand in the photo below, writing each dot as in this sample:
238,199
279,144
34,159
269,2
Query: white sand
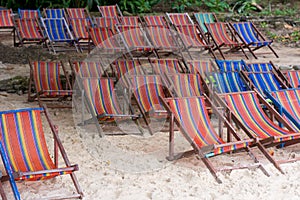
134,167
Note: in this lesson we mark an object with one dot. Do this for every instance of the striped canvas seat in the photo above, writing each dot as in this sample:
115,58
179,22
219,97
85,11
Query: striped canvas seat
110,11
55,13
25,149
203,18
200,66
88,69
227,82
29,14
259,67
109,22
294,78
128,67
6,19
130,20
168,66
251,37
230,65
76,13
79,28
179,18
155,20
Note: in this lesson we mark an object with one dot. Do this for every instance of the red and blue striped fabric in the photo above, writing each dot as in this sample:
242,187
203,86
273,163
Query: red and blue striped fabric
130,20
79,27
108,11
193,117
29,29
101,95
179,18
191,36
46,77
247,108
128,67
162,66
88,69
294,78
203,18
23,138
155,20
264,81
200,66
6,18
76,13
29,14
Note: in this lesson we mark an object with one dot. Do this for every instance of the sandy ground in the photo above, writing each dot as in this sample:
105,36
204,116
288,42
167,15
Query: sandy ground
135,167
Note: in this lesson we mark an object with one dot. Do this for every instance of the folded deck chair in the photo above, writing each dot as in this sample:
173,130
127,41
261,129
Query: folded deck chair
251,37
288,104
200,66
193,39
202,18
191,116
45,78
146,90
102,101
135,39
230,65
58,33
256,123
294,78
179,19
222,36
7,20
110,11
185,85
162,66
128,67
85,69
28,31
156,20
29,14
55,13
25,154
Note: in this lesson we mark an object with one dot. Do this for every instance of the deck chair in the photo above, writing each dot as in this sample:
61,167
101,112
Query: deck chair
177,19
102,101
251,37
293,77
7,20
222,36
55,13
202,18
85,69
193,39
79,28
28,31
162,66
156,20
77,13
24,150
110,11
230,65
59,35
185,85
130,20
287,103
128,67
108,22
135,39
29,14
45,78
191,116
200,66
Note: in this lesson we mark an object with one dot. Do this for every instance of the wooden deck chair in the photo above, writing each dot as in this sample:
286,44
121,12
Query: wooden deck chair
293,77
162,66
222,36
191,116
85,69
110,11
79,28
45,78
102,101
59,35
185,85
130,20
202,18
163,40
77,13
25,154
156,20
227,82
108,22
7,20
128,67
252,37
28,31
193,39
55,13
29,14
135,39
200,66
177,19
231,65
287,103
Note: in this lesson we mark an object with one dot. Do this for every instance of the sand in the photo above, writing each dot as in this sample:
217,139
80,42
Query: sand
135,167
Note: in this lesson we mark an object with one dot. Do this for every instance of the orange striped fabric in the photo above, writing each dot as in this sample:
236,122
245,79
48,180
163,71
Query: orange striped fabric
79,27
162,66
155,20
88,69
294,78
103,37
128,67
6,18
76,13
191,36
200,66
220,32
179,18
108,11
29,29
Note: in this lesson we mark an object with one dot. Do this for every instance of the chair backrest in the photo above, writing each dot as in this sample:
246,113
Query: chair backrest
76,13
110,11
79,27
265,81
259,67
130,20
109,22
246,107
55,13
230,65
101,96
294,78
227,82
162,66
221,33
103,37
200,66
186,85
161,37
88,69
179,18
249,34
190,35
29,29
203,18
128,67
6,19
22,136
29,14
57,29
155,20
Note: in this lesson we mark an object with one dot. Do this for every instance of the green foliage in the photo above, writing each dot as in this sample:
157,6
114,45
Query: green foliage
280,12
137,6
244,6
181,5
216,5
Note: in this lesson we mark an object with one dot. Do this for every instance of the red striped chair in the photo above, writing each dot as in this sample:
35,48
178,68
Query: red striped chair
6,19
293,77
130,20
24,150
29,14
177,19
166,66
77,13
45,78
85,69
191,116
222,36
156,20
110,11
79,28
128,67
28,31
